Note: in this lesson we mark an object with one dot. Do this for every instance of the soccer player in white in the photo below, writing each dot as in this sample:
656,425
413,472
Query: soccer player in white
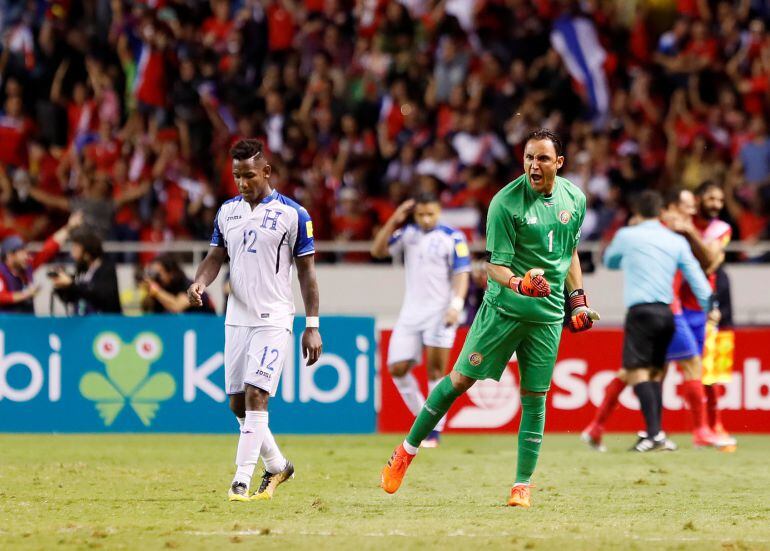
438,268
264,234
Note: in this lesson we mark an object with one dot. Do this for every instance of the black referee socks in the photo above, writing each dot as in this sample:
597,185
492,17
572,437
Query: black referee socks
658,386
648,399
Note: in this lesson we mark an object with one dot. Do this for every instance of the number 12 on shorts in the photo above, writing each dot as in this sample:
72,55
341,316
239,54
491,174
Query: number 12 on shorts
272,357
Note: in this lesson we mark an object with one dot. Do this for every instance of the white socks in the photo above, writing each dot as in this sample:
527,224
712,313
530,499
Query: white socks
411,450
442,421
274,460
271,454
249,445
410,392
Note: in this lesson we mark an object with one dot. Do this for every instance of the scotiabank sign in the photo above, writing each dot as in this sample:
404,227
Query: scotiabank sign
586,363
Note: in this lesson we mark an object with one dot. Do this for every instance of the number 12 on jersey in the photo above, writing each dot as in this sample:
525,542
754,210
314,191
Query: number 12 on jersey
249,245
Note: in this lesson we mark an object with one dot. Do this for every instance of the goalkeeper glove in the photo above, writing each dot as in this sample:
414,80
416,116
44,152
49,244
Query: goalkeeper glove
533,284
582,317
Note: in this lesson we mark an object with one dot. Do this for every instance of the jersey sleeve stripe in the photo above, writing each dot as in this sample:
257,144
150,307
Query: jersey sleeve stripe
278,253
217,240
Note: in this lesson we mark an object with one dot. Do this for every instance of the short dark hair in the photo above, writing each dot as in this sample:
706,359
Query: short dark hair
246,149
672,196
91,243
701,190
649,203
545,134
426,197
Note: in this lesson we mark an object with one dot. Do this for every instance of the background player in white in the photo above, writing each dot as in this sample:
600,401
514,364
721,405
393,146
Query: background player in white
263,233
438,269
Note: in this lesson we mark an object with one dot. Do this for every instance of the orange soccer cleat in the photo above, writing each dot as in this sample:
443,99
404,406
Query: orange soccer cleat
704,436
393,473
720,431
520,496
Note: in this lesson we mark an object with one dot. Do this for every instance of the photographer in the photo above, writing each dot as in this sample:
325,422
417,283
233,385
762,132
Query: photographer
94,287
166,286
17,288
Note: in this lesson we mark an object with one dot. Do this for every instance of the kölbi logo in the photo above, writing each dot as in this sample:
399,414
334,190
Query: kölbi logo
127,378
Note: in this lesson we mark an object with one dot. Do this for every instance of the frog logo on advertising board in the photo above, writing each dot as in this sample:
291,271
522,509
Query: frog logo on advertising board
126,378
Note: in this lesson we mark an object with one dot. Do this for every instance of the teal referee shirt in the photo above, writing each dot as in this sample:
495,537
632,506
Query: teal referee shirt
649,255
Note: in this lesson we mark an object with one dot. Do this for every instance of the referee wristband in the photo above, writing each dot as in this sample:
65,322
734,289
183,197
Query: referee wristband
312,322
457,304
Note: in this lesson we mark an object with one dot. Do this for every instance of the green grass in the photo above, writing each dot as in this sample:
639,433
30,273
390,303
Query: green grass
169,491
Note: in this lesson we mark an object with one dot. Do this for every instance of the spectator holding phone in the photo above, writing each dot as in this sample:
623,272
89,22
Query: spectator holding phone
166,286
17,266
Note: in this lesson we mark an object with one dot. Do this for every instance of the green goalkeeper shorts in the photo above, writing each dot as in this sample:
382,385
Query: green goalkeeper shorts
494,337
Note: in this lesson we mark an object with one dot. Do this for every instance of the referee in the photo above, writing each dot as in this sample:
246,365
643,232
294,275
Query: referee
649,255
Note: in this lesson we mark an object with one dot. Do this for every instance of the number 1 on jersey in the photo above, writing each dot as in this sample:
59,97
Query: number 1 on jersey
550,241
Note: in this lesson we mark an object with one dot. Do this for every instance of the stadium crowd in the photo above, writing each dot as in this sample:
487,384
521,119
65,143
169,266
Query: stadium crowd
125,110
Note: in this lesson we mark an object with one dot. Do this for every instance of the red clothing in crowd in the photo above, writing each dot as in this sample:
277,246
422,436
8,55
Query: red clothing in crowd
14,132
354,226
103,154
383,208
128,214
704,49
218,29
689,8
753,100
81,118
751,226
280,27
151,77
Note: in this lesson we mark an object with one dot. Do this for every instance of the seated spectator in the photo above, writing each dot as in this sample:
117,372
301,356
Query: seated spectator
93,289
165,285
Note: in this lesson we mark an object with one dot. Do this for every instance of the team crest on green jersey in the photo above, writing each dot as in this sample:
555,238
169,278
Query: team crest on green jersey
565,216
475,359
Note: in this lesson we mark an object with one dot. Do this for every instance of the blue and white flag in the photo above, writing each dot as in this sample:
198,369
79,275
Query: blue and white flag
576,41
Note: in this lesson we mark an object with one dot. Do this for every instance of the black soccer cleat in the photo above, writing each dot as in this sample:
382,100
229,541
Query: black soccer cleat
647,444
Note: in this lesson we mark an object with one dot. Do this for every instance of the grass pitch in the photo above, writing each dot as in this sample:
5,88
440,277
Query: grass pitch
169,491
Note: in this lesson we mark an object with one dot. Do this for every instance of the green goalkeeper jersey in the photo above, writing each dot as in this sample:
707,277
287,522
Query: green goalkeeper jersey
527,230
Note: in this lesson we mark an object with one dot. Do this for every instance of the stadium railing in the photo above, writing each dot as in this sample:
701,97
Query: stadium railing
198,249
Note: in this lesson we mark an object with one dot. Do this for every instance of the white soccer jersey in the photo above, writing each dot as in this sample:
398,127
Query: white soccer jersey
262,244
431,259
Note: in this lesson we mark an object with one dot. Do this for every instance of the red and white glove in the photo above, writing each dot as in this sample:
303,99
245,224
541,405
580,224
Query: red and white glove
533,284
582,317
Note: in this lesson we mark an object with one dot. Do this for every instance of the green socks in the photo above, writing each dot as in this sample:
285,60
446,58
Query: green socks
530,436
530,429
438,403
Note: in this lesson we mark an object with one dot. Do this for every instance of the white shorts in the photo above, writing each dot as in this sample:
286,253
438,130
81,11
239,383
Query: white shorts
255,355
407,341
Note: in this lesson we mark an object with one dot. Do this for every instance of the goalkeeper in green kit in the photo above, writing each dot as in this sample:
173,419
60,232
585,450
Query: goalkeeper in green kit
533,228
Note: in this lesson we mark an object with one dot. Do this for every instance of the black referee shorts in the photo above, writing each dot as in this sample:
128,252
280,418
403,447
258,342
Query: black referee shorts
649,329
